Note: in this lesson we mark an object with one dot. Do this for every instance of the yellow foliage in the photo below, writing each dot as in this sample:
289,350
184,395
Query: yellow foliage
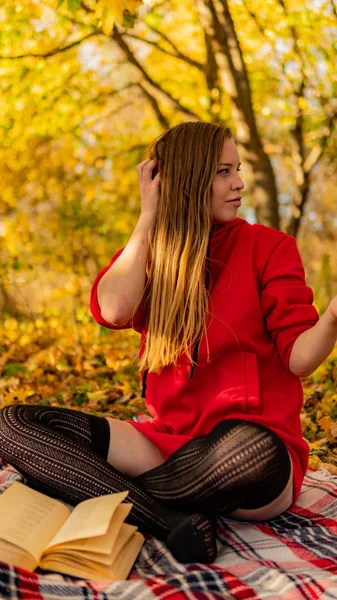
329,427
110,11
314,461
302,102
86,215
24,340
96,396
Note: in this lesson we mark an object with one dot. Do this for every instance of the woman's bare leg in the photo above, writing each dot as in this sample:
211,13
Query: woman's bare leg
130,452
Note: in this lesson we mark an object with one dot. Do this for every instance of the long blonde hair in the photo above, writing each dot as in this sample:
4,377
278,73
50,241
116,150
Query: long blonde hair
175,299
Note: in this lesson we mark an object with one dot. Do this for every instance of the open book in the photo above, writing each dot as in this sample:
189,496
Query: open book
91,541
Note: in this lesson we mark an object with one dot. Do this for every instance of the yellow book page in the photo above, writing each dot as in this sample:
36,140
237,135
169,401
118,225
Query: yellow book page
75,568
126,533
90,518
95,571
84,555
125,560
13,555
103,543
29,519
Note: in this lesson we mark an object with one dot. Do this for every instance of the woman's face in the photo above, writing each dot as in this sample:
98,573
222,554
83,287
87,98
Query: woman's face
227,185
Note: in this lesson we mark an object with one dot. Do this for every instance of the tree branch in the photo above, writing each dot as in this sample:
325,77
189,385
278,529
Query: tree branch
317,151
175,54
119,38
254,17
212,79
304,166
155,105
54,51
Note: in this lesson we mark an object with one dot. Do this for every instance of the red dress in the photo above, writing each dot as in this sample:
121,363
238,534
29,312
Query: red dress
261,304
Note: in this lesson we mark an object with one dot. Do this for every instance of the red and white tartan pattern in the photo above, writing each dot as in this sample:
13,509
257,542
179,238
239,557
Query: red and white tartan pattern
290,557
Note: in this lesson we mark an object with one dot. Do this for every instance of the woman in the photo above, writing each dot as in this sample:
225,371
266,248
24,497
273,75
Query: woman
225,438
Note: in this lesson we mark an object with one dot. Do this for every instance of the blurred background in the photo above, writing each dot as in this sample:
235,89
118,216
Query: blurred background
85,88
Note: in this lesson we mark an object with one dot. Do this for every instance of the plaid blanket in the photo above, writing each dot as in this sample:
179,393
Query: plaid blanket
290,557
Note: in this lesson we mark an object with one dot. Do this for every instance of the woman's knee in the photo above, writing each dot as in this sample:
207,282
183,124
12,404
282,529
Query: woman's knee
130,452
273,509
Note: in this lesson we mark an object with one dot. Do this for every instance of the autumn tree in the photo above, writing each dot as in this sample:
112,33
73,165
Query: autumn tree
87,85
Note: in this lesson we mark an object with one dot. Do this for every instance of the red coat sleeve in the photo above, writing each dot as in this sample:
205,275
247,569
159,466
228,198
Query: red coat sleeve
139,317
286,300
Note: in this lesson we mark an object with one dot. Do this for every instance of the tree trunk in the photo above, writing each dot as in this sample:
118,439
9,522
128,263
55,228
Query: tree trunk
216,19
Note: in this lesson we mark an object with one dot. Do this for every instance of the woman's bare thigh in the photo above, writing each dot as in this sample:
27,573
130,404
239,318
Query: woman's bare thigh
130,452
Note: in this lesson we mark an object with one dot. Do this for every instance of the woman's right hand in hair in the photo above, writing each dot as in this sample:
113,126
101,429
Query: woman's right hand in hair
149,188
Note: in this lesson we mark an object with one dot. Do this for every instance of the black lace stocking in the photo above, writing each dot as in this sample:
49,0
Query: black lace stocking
239,464
55,450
